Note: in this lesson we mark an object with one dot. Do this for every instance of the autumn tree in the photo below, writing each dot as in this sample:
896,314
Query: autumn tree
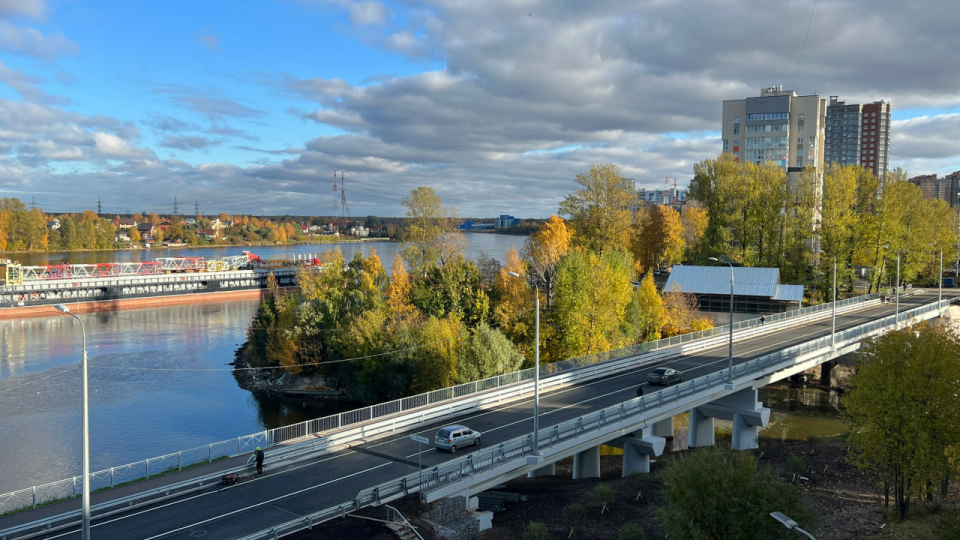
693,221
432,236
646,310
593,292
513,305
399,305
682,314
543,251
904,410
657,237
600,212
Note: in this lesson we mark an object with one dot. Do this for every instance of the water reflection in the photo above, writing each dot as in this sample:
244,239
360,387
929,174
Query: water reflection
160,378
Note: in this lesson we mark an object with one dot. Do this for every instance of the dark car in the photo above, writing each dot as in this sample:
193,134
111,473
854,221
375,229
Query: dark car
664,376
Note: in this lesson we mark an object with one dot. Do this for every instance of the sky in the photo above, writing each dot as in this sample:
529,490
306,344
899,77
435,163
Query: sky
251,106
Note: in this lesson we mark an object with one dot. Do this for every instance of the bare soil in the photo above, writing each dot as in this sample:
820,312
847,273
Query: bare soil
847,501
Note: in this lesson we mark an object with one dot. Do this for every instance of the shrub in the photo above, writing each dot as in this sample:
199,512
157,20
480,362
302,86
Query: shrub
629,531
797,464
574,514
535,531
603,495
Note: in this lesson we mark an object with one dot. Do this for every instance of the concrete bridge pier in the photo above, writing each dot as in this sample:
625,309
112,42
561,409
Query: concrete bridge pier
546,470
664,428
742,408
586,464
637,451
701,432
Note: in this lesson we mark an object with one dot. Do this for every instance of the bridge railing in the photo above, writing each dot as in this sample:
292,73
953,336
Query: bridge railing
105,479
516,449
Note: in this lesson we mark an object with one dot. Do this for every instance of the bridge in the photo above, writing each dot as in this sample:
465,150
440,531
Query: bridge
320,474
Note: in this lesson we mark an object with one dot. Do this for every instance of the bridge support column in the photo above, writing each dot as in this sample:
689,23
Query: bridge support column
637,451
701,429
747,414
586,464
546,470
664,428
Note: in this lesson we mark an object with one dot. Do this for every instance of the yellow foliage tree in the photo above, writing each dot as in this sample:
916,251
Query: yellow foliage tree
543,251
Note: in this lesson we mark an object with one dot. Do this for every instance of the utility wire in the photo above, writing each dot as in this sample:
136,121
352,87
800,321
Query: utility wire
804,45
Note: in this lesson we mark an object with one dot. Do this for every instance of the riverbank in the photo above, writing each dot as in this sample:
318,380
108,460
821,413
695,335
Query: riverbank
319,242
848,501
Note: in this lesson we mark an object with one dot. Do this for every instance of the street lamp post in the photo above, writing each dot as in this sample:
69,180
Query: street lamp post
833,317
896,309
86,428
536,368
789,523
730,346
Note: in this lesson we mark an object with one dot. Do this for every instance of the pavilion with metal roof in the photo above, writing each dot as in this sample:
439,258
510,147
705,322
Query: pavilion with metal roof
755,290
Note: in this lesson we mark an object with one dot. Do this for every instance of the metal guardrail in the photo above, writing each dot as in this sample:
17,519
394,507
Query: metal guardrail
397,517
516,449
108,478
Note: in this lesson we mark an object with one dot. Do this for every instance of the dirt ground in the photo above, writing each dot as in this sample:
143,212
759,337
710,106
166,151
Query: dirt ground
847,501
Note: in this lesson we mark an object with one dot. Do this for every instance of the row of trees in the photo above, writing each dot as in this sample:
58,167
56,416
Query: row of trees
755,217
23,229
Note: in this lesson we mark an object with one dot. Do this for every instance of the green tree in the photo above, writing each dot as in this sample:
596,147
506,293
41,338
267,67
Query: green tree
593,292
646,311
720,493
432,236
488,353
600,212
455,289
904,410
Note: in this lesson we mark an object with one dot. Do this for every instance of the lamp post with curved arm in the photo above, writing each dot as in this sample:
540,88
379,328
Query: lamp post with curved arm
536,368
86,428
730,346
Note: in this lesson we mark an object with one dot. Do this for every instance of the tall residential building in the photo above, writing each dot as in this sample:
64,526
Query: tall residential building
858,135
778,126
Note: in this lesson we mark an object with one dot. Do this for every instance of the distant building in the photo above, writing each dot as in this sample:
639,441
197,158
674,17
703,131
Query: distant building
858,135
666,197
778,126
53,224
124,223
505,222
945,189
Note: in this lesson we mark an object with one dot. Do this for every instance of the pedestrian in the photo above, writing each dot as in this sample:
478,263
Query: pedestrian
762,318
259,461
640,390
881,299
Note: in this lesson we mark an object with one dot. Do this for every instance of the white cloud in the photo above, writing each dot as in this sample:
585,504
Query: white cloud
34,9
209,41
367,12
32,42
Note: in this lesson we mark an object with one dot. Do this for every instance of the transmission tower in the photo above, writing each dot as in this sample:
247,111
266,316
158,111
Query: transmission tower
196,207
176,209
99,207
341,203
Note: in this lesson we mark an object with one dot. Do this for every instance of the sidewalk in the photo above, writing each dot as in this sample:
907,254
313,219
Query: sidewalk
128,490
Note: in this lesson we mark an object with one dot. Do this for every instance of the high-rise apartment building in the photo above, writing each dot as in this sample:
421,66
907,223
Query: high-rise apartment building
778,126
858,135
946,188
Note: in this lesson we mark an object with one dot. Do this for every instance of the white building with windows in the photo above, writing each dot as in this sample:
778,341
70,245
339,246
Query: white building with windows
778,126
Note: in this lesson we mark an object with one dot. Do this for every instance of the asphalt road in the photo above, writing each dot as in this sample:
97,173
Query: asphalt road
282,495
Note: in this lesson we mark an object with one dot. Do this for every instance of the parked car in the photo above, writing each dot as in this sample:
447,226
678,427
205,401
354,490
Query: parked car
664,376
452,437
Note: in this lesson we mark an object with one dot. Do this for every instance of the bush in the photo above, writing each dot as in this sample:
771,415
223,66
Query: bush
629,531
603,494
640,481
735,503
574,514
948,527
535,531
797,464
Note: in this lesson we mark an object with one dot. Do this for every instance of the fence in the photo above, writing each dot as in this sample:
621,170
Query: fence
517,449
109,478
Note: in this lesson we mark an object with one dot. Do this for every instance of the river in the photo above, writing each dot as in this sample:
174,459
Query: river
160,379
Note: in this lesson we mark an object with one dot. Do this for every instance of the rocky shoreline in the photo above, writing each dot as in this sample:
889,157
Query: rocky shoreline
271,381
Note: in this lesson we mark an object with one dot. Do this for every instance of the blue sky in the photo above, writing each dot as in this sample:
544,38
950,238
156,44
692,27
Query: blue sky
249,106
